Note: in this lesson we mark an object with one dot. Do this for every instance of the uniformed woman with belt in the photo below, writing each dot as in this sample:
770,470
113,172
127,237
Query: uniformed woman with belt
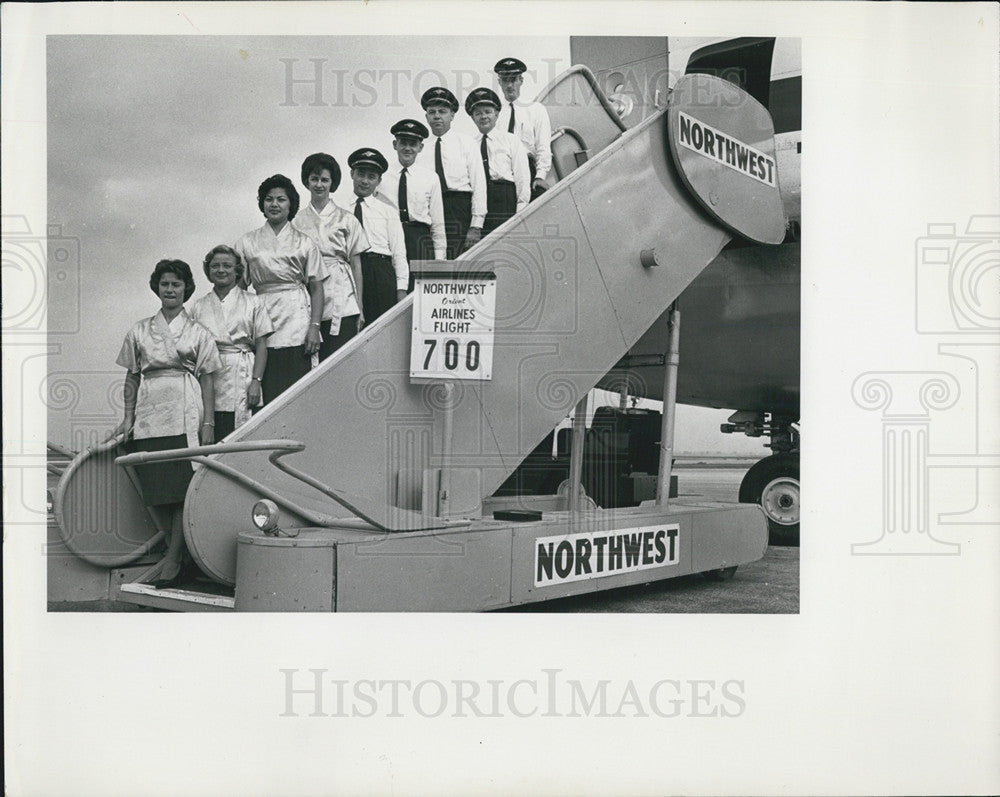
240,325
341,241
169,399
287,272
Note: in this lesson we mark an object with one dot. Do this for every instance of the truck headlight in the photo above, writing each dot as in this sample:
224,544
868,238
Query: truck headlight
265,517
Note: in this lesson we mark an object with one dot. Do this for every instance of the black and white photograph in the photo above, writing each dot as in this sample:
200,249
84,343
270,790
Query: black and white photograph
504,436
501,398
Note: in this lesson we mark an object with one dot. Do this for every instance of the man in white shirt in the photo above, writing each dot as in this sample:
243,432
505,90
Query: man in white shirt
528,121
385,273
460,171
416,192
505,163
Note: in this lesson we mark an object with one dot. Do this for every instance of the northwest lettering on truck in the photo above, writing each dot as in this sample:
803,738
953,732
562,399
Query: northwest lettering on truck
575,557
706,140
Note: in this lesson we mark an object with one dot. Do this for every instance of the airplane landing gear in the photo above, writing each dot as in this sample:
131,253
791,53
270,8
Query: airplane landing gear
773,483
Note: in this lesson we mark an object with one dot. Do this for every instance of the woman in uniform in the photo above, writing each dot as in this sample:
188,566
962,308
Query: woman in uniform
169,398
341,240
240,325
287,272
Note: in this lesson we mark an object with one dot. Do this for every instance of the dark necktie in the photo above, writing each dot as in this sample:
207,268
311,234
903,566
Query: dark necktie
510,125
404,208
357,211
486,157
439,165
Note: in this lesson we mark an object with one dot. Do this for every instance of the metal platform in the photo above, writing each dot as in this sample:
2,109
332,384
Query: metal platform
492,564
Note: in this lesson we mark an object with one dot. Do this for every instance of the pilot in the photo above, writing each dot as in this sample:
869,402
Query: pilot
505,162
460,171
385,273
529,121
416,191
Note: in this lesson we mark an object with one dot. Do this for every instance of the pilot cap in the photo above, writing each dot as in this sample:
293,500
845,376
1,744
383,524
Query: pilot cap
481,96
371,158
439,96
410,128
510,66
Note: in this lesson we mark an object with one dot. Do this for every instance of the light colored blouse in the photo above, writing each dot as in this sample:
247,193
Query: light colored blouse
170,358
279,267
236,323
339,237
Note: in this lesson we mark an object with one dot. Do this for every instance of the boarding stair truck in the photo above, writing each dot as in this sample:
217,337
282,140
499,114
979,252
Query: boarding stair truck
368,485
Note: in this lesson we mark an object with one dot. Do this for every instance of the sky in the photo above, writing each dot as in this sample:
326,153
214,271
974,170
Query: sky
156,146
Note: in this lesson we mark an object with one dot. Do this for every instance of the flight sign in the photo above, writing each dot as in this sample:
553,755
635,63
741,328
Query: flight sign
453,326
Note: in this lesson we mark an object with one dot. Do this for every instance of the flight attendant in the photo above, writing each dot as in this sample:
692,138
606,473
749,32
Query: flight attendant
287,272
385,274
505,162
416,191
459,170
529,121
240,325
169,399
341,240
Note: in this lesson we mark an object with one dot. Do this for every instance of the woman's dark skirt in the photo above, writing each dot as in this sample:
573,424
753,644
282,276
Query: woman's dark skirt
285,367
162,482
225,423
330,344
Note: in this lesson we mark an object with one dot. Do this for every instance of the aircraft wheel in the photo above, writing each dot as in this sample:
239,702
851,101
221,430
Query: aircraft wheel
773,483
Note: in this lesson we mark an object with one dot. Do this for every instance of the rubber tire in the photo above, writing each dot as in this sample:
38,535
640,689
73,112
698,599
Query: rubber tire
758,477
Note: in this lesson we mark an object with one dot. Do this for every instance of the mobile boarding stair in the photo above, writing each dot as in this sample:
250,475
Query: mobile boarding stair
366,486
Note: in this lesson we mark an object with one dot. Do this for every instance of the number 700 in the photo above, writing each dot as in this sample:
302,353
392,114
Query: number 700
451,354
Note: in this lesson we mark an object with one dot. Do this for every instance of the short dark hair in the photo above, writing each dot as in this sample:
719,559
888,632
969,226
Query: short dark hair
279,181
315,163
179,269
222,249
